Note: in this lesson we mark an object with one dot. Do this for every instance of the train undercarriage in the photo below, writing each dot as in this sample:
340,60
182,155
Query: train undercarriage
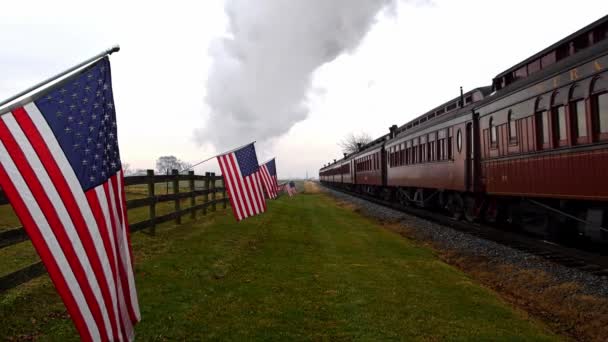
565,221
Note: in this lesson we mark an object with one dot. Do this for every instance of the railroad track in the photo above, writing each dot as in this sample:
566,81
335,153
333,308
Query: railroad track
589,262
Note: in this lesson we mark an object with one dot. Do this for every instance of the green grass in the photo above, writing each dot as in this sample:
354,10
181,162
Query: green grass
307,269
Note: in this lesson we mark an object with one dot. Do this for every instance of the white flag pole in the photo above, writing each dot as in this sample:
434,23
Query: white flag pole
208,159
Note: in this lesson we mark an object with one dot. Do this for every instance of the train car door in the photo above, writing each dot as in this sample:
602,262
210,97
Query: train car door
469,156
353,174
471,152
383,165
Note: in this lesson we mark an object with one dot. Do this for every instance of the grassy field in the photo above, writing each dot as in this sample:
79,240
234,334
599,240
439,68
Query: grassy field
23,254
308,269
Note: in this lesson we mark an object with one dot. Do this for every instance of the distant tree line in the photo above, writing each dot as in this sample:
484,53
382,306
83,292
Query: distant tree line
164,165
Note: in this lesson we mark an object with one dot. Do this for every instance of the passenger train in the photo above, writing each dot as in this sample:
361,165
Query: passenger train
531,150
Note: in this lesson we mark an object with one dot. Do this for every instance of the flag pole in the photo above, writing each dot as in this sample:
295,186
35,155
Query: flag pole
220,154
109,51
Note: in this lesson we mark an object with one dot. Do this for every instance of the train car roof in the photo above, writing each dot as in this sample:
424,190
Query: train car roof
585,56
554,46
446,110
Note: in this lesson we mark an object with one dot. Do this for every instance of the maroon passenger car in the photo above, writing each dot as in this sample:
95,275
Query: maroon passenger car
544,135
432,155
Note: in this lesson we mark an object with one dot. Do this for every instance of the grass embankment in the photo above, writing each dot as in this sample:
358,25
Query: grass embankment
307,269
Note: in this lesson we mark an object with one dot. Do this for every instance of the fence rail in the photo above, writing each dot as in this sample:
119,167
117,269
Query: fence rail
210,202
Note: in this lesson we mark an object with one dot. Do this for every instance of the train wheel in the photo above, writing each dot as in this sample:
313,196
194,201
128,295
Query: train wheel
471,208
491,212
455,206
386,194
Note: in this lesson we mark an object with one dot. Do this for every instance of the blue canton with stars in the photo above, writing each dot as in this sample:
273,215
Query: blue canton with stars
81,114
247,160
272,168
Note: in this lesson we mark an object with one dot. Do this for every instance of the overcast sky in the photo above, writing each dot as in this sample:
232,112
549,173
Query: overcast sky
175,95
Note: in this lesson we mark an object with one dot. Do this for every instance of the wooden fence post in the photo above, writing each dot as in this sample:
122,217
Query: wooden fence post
175,173
192,196
213,207
152,196
224,197
206,198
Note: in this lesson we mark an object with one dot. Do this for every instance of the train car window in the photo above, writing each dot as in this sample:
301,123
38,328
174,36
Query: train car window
521,72
512,127
459,140
450,154
559,114
438,150
375,158
602,112
542,133
534,66
493,135
562,51
600,106
548,59
398,155
425,150
600,33
579,115
581,42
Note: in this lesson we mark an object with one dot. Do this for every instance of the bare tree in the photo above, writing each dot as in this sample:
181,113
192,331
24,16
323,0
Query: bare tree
165,164
351,141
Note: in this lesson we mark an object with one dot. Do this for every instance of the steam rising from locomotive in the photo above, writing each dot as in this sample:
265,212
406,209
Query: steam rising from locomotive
261,70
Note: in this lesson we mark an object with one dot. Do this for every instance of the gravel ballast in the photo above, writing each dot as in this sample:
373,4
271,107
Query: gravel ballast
452,240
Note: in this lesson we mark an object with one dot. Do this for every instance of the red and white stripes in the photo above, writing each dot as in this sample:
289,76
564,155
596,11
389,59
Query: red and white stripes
81,237
268,181
246,196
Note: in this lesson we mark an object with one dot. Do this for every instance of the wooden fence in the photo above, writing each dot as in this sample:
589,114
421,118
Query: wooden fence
208,192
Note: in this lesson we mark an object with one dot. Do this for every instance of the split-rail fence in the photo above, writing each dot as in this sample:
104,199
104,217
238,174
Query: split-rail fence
208,192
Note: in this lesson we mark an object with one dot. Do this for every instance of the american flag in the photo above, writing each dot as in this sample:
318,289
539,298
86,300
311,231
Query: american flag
243,181
291,188
269,178
60,168
272,169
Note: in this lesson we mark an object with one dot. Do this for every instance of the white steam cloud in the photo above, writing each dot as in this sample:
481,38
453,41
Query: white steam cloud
262,69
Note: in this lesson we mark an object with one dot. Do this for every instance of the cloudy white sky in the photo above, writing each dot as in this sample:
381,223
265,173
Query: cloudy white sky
175,94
